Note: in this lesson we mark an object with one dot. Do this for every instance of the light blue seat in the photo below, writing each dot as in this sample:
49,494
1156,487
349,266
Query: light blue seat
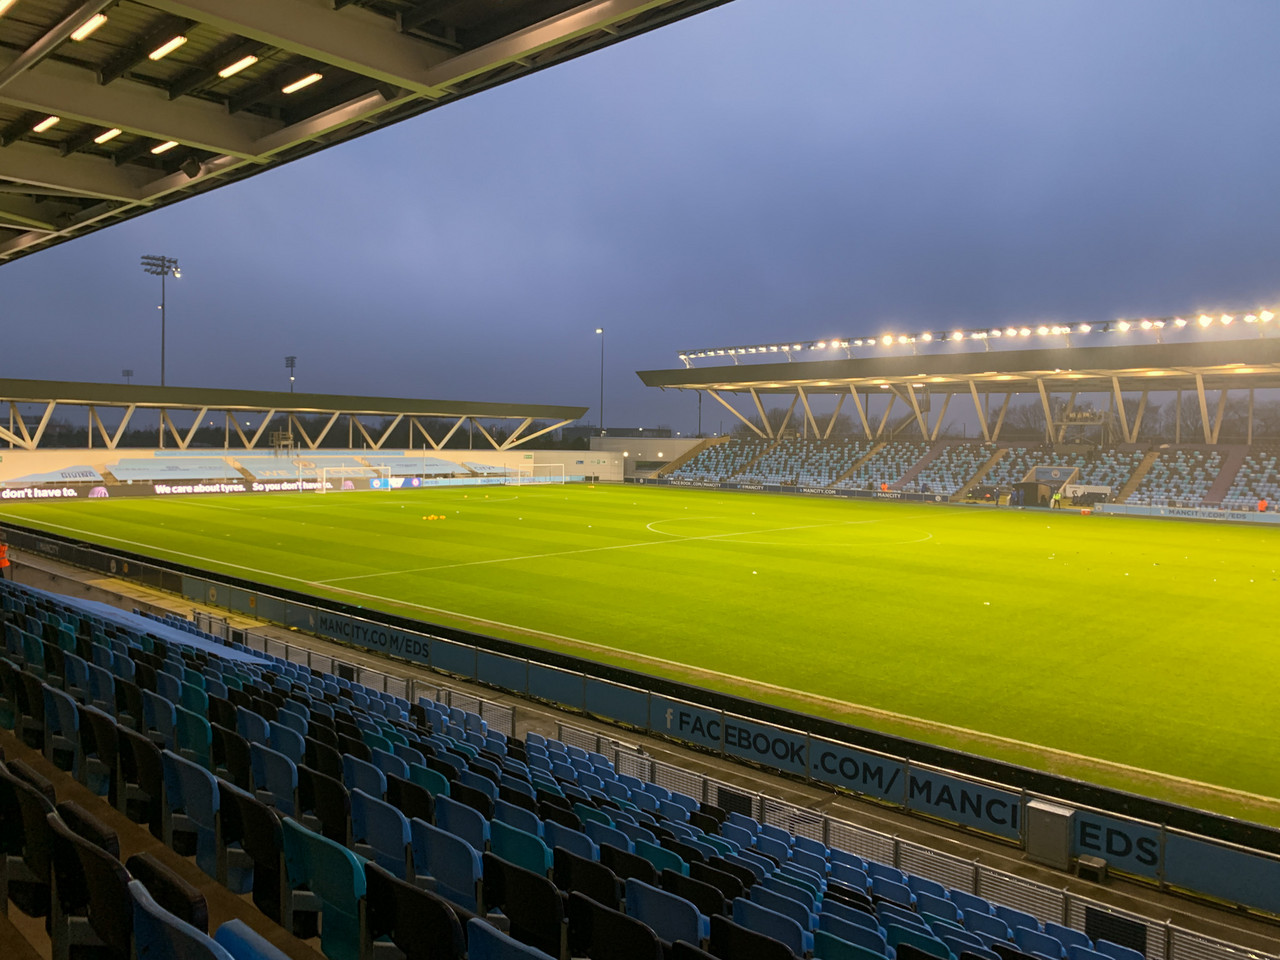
252,726
390,763
1083,953
786,905
102,689
772,924
160,717
886,872
456,867
192,802
575,841
635,832
517,816
872,938
739,835
1117,952
927,903
751,864
477,781
790,887
409,754
834,908
520,847
487,942
810,845
844,856
1033,941
920,938
380,833
287,740
359,774
921,885
601,833
294,716
1068,936
1016,918
969,901
809,860
661,858
675,812
892,891
987,923
276,776
671,917
159,935
61,729
766,865
335,877
903,916
462,821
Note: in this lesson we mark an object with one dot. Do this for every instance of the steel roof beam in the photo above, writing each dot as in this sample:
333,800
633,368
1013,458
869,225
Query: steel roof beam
80,175
50,41
353,39
69,92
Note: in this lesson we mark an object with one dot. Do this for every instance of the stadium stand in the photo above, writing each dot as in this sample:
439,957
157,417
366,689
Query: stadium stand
268,466
811,463
953,467
167,469
711,876
886,465
1257,479
409,465
1179,477
722,461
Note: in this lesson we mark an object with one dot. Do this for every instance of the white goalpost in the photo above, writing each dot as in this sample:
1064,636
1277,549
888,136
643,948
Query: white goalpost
538,473
336,476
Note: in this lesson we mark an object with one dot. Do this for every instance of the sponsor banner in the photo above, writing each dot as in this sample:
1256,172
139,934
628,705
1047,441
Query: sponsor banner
688,722
972,803
806,491
373,636
1129,846
767,745
43,493
1188,513
870,774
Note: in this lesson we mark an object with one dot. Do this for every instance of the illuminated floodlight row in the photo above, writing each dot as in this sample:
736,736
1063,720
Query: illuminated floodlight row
1204,321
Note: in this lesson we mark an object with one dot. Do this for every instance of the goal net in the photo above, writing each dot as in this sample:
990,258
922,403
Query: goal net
335,479
538,473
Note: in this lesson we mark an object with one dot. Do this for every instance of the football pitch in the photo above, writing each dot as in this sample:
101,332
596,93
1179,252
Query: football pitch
1129,652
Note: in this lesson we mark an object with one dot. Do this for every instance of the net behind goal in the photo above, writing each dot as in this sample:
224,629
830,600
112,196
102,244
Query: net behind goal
537,473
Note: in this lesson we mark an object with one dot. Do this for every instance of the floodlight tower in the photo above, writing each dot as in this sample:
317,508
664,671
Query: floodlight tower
290,364
600,331
162,267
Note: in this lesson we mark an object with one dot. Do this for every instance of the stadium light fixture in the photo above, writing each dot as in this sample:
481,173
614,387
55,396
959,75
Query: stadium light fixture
106,135
127,374
291,364
166,48
302,82
162,267
165,147
46,124
1266,316
231,69
5,5
85,29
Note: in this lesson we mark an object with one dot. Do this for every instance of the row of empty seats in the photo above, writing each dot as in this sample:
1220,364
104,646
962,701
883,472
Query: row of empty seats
365,817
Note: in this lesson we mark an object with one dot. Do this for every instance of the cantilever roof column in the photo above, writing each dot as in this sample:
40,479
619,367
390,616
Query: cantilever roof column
480,426
1048,411
915,408
977,406
1137,417
808,414
513,442
862,413
942,415
884,421
787,419
1222,409
764,420
728,406
831,424
1118,398
1004,408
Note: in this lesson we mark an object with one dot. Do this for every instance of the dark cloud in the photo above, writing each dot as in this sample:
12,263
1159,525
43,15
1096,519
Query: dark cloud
769,169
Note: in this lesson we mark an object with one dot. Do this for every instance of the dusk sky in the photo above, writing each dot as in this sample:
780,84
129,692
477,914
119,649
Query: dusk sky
771,169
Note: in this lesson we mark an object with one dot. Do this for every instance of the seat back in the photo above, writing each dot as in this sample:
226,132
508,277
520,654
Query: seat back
731,940
572,873
191,790
669,915
159,935
770,923
420,923
453,862
530,901
520,847
463,821
383,831
487,942
334,874
168,889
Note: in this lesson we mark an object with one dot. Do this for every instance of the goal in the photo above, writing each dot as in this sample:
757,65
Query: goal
335,479
539,473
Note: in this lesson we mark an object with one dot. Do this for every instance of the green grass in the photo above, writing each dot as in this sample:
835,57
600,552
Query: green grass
1145,643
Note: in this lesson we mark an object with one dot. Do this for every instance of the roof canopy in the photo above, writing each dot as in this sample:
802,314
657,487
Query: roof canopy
109,108
266,405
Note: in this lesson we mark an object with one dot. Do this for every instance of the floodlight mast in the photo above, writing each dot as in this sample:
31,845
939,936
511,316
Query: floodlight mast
162,267
291,364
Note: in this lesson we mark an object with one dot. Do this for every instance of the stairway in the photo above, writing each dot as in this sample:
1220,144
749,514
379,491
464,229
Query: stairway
934,452
1232,461
859,462
978,477
1143,468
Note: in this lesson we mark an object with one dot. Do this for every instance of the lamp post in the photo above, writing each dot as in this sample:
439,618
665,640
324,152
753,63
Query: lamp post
127,374
162,267
290,364
600,331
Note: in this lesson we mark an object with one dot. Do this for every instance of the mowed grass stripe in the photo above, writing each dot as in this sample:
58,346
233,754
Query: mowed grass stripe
1141,643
